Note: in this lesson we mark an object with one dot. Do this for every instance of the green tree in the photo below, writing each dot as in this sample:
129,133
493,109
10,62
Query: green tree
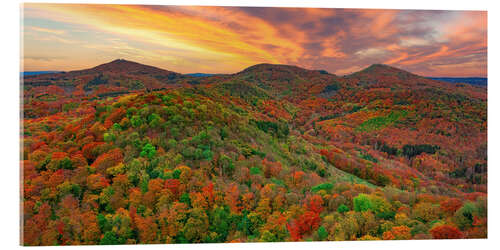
148,151
109,137
185,199
322,233
207,154
109,238
382,208
362,203
342,209
136,121
154,120
465,215
220,223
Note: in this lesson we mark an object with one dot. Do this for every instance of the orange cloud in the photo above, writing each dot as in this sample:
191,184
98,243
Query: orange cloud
402,56
377,23
227,39
190,30
442,52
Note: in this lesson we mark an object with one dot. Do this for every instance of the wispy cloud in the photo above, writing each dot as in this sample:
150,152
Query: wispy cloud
46,30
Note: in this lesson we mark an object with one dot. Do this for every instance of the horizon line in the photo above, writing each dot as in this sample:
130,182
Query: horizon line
200,72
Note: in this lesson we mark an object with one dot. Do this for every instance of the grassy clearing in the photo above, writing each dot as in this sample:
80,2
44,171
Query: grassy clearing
379,122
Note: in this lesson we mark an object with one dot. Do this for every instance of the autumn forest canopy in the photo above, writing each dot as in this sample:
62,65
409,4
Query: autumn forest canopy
126,153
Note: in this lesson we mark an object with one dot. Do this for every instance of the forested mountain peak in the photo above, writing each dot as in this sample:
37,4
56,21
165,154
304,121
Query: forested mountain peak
385,76
380,70
129,67
269,67
283,68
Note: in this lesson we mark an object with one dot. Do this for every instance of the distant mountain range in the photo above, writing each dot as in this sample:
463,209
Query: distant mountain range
480,81
33,73
200,74
121,76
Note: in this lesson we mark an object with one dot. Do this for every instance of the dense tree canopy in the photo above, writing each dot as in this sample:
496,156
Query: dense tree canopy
268,154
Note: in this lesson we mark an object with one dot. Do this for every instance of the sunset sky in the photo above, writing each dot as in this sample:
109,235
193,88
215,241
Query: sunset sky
229,39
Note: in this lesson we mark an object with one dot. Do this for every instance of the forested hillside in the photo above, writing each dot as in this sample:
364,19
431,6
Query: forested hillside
125,153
